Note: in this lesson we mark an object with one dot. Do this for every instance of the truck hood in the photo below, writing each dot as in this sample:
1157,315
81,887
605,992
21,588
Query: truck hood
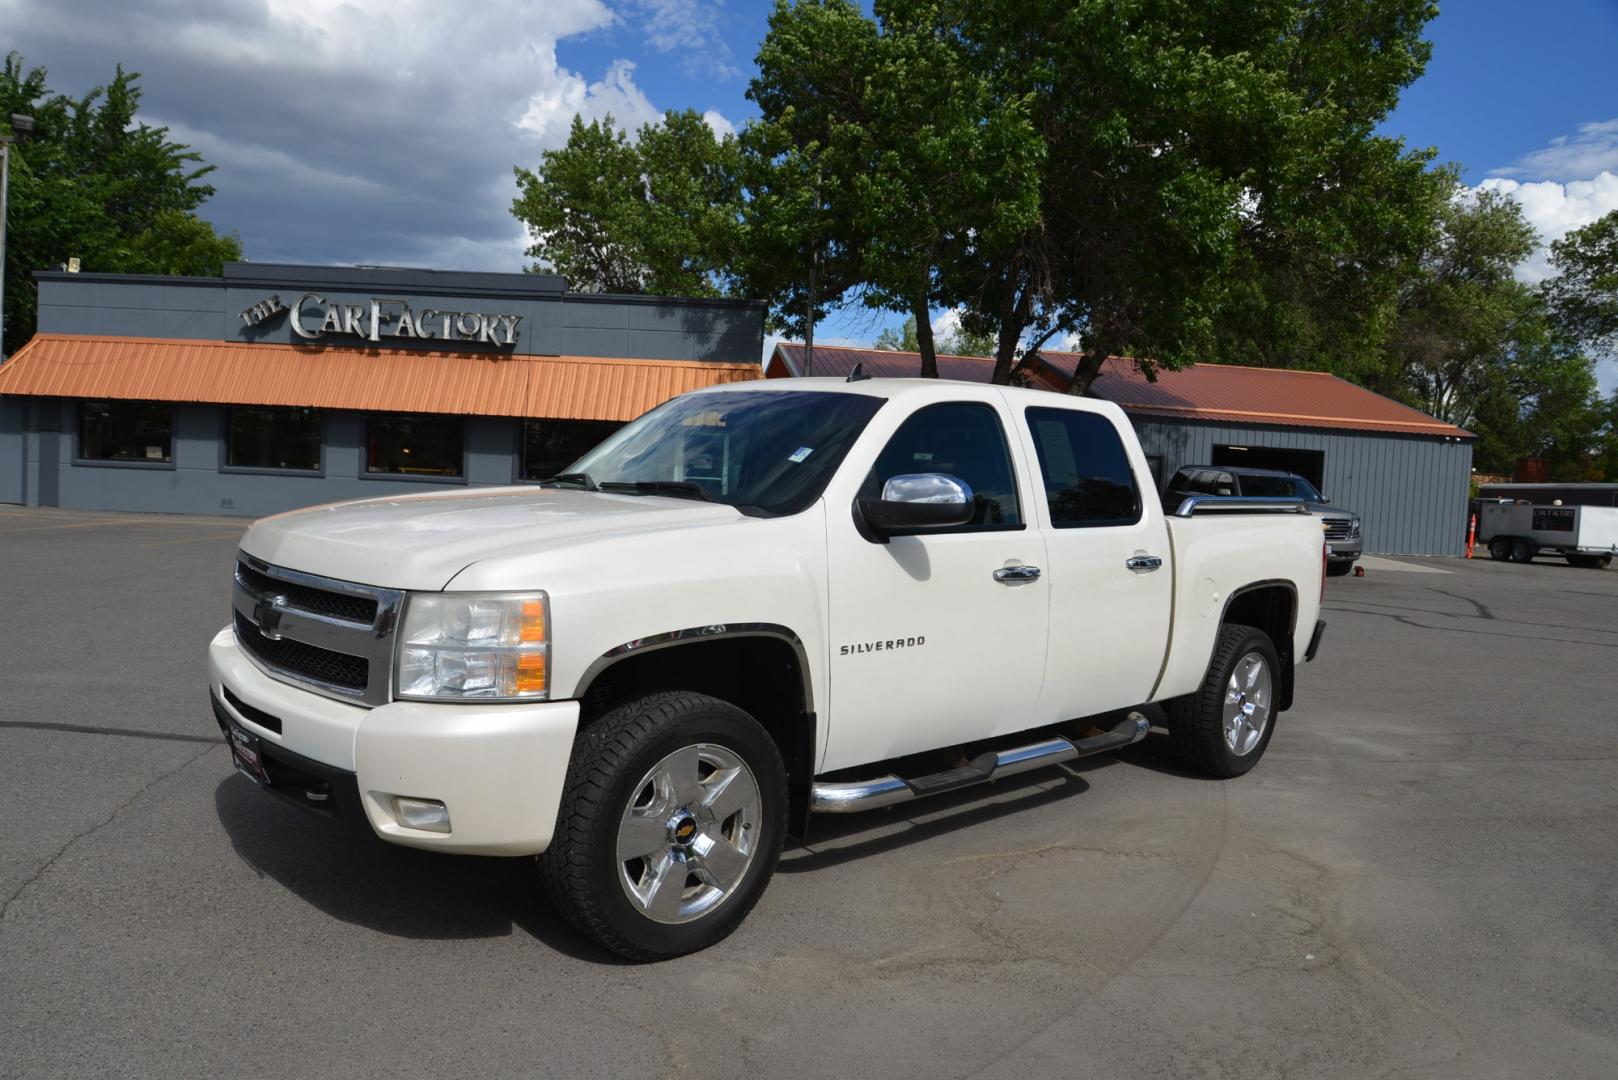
422,541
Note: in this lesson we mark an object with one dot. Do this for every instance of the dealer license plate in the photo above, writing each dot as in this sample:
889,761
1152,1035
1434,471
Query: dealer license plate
244,751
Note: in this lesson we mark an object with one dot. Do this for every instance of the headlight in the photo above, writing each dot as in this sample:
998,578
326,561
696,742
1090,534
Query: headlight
1354,527
475,647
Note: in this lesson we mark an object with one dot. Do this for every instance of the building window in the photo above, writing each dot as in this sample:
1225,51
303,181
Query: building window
126,431
550,446
267,438
400,445
1088,480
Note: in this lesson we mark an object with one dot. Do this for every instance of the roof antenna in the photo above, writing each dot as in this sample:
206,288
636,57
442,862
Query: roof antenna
858,374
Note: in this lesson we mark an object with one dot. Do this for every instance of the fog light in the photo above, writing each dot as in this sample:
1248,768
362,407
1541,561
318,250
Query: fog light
428,815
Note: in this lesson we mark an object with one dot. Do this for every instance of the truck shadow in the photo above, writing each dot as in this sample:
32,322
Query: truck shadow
393,890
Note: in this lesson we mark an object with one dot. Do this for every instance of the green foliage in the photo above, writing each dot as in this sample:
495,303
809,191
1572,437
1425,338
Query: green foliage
89,182
1536,396
1168,179
656,214
1584,292
1460,308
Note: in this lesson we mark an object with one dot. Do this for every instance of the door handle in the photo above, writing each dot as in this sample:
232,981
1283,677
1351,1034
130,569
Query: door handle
1010,575
1143,564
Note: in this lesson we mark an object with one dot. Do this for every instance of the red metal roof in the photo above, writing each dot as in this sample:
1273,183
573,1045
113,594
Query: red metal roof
1218,392
379,380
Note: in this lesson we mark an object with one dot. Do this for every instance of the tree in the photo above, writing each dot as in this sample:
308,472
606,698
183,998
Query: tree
915,156
1584,291
655,214
1536,396
1461,309
91,182
1160,160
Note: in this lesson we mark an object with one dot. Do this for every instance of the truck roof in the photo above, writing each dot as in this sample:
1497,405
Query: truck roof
897,389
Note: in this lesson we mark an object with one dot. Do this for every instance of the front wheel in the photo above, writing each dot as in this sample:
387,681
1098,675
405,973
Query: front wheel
671,822
1339,568
1223,728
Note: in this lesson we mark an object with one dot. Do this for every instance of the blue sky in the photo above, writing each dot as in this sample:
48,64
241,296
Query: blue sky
385,131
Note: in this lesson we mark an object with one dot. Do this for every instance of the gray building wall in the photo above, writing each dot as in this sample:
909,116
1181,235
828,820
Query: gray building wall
195,484
554,322
12,465
39,437
1411,491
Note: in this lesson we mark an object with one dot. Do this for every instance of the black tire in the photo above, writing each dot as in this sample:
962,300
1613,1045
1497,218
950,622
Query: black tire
1500,548
611,759
1196,722
1339,568
1522,550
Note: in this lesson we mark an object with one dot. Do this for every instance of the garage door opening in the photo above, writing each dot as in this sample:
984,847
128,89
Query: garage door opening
1309,464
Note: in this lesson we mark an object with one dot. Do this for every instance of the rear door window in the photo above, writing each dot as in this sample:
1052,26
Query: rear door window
1085,469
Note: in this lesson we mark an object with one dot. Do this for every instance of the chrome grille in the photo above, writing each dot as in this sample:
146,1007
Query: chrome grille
332,637
1338,528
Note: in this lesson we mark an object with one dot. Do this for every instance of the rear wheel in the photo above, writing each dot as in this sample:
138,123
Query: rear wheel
1522,550
1223,728
670,825
1500,548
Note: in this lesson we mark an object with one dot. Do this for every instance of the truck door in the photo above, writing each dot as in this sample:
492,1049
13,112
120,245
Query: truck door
933,643
1108,564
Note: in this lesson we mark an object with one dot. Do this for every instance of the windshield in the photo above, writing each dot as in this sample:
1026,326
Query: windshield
1280,487
765,453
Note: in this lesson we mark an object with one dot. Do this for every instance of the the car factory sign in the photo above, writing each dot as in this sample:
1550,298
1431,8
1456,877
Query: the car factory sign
313,318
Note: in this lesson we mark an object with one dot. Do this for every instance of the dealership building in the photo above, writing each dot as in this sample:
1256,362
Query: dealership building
277,386
1407,474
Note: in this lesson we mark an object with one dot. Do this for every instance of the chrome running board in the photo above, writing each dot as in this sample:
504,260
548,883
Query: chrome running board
848,798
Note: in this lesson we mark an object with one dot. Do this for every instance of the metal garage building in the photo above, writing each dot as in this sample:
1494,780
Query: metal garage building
1407,474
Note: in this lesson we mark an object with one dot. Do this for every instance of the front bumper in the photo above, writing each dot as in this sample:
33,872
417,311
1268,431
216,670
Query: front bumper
1345,550
499,769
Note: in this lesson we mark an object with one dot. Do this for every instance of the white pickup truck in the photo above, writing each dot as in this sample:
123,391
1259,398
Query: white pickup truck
749,605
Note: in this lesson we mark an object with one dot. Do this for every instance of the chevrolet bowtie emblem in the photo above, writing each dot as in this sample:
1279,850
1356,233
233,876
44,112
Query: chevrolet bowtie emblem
267,614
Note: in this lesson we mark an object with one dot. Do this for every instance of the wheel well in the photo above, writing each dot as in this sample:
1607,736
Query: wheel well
1273,608
762,675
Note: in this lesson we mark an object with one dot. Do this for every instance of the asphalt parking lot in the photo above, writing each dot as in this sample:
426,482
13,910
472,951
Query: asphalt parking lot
1420,879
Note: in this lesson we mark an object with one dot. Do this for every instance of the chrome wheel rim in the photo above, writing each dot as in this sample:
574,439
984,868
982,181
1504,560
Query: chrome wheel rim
689,833
1247,704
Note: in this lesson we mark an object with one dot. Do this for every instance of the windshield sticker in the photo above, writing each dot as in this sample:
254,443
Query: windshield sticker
800,454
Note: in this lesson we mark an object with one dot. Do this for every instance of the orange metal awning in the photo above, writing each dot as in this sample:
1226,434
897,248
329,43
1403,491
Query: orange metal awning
368,380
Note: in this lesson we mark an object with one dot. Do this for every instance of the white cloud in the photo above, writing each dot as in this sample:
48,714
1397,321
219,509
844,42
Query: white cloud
1555,209
716,120
347,130
1593,150
551,111
689,27
946,324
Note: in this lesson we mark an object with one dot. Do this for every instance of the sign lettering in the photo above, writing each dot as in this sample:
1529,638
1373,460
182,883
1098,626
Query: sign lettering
387,316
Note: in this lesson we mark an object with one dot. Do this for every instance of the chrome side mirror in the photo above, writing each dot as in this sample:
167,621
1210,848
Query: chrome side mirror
919,501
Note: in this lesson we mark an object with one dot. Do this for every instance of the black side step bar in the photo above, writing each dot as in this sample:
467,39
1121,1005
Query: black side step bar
847,798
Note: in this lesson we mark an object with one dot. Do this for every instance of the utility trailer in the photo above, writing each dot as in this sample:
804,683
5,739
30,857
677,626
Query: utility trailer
1586,536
